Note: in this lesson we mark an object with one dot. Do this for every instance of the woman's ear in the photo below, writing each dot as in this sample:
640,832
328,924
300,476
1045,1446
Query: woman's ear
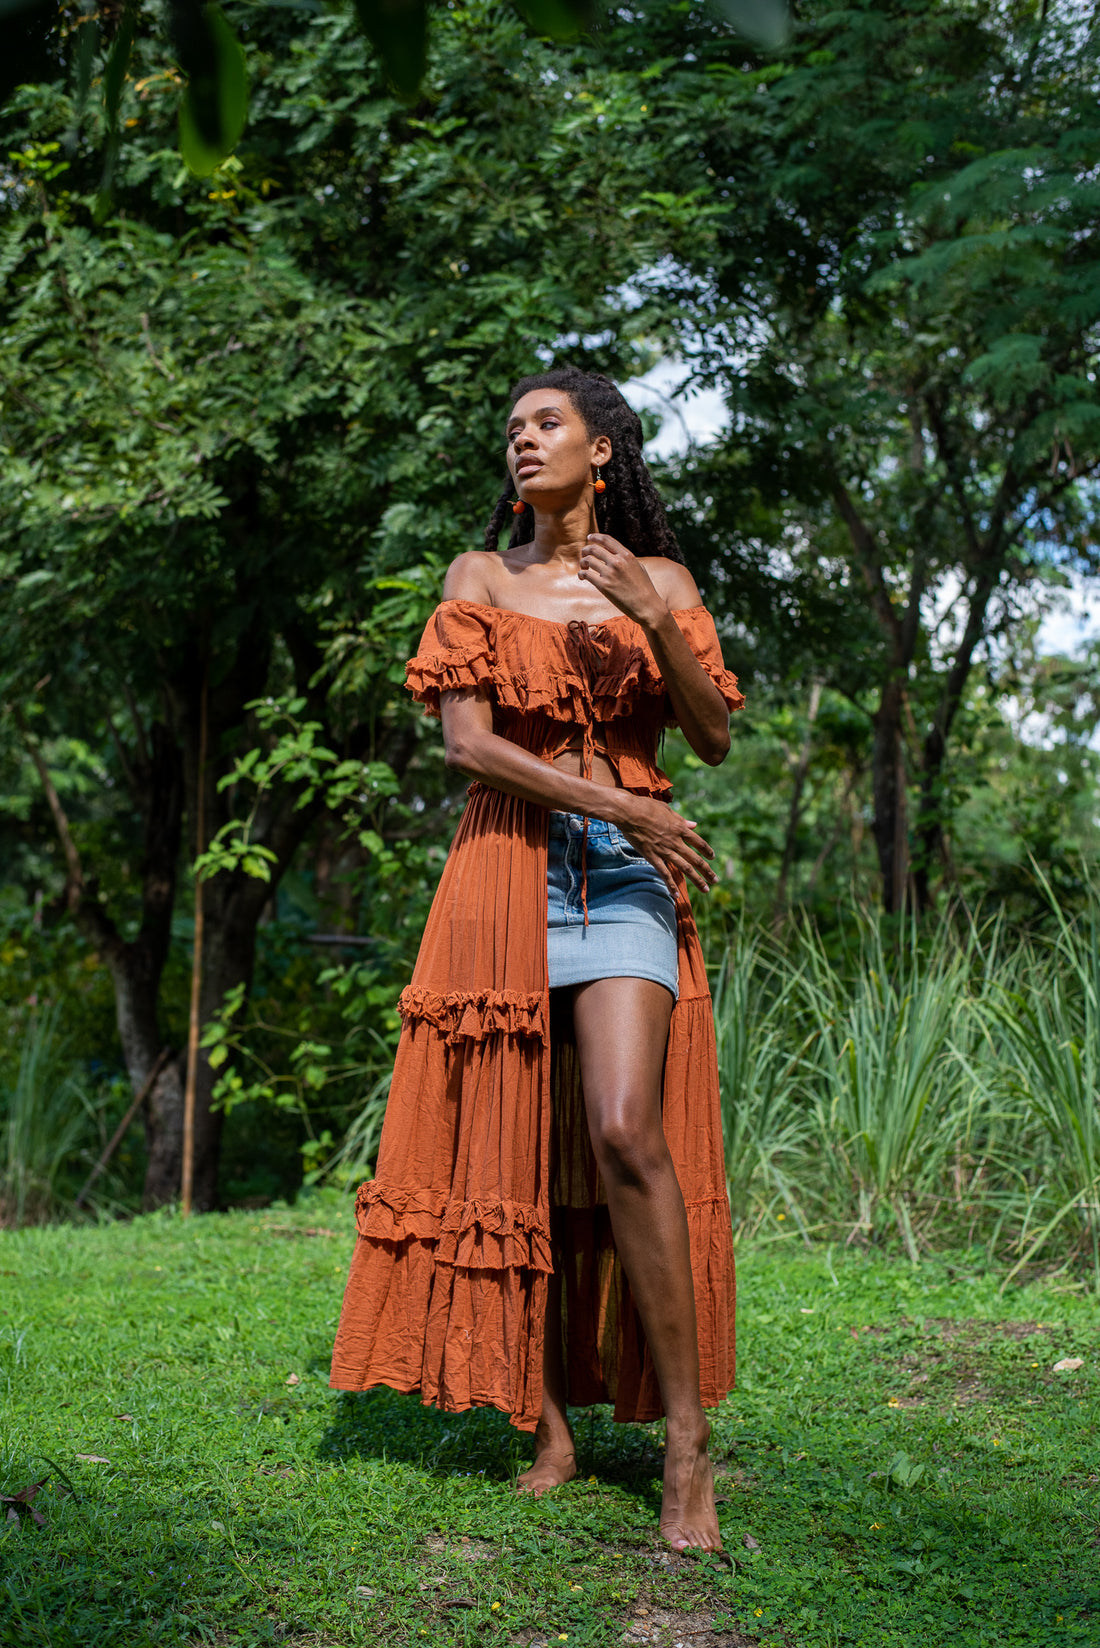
601,450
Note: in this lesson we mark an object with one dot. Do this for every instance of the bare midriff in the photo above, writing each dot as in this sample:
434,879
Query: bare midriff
571,760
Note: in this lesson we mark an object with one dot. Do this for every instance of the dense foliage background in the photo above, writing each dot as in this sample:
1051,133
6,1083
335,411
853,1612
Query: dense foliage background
247,418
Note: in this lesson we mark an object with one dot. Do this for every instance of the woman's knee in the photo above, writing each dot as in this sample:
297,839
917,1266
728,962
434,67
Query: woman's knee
629,1149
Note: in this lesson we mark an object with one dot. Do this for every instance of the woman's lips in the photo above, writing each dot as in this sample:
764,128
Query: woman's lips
527,466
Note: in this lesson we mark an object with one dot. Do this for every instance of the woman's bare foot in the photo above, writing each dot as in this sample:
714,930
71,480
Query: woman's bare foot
555,1462
688,1514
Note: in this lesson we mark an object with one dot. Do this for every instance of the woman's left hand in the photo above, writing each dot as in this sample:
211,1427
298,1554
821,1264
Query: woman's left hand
609,566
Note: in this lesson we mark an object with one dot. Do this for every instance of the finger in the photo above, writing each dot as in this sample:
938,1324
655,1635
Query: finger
696,848
696,844
606,541
698,878
699,871
698,881
666,875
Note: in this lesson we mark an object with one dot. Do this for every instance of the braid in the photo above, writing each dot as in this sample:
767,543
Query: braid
501,511
631,509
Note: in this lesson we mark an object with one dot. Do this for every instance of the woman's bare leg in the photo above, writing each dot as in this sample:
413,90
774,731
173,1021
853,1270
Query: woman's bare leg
621,1028
555,1459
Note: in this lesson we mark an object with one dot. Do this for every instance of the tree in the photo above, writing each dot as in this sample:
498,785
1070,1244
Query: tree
235,406
41,35
898,289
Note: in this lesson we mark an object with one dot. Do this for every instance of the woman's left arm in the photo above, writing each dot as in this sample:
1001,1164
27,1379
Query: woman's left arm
698,706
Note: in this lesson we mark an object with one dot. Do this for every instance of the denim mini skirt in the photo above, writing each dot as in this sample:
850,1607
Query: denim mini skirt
631,931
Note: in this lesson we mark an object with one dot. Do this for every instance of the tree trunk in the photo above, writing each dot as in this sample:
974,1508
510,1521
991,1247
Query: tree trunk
888,782
136,965
795,812
928,831
136,968
231,916
233,902
888,772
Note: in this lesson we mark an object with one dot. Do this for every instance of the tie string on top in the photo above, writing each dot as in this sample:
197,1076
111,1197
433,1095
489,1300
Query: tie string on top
583,639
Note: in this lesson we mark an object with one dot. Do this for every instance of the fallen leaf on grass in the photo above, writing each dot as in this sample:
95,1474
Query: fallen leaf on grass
292,1379
750,1543
1069,1364
127,1418
364,1590
19,1503
93,1459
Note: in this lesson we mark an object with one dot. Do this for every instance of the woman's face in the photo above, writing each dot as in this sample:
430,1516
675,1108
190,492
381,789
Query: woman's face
551,456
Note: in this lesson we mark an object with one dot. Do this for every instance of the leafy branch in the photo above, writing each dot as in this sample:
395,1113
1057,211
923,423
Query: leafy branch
297,759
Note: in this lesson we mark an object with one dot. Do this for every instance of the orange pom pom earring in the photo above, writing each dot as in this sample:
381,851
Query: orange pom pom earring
599,484
518,507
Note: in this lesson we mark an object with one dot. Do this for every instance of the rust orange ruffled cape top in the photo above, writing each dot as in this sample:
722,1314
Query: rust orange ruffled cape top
486,1181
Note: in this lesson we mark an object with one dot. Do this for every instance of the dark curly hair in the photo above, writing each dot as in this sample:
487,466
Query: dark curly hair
630,509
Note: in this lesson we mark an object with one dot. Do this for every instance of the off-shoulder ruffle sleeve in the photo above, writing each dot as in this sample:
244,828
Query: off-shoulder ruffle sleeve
702,637
456,651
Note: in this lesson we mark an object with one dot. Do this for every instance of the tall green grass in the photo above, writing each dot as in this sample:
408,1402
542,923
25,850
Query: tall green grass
761,1046
1049,1018
46,1121
925,1085
882,1082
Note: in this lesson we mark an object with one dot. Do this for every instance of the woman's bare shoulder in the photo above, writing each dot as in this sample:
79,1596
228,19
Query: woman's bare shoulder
672,580
469,577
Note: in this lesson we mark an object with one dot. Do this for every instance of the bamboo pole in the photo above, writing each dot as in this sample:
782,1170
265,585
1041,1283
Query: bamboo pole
193,1027
120,1131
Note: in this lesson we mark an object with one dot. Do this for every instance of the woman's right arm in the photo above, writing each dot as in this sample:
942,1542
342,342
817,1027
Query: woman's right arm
668,840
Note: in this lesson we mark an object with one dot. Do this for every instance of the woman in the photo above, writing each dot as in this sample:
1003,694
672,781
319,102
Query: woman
549,1220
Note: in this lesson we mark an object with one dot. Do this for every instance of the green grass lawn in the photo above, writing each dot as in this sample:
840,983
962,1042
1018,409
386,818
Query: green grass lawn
900,1464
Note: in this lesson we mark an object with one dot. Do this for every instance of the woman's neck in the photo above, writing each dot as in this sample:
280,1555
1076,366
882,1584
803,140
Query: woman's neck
560,534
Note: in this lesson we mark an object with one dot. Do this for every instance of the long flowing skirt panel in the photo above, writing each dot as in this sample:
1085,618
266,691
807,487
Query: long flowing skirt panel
448,1283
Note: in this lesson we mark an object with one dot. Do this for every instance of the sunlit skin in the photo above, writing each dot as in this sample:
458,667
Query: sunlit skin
572,571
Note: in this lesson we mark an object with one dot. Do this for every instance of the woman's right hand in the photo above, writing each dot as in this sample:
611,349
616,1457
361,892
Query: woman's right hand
670,842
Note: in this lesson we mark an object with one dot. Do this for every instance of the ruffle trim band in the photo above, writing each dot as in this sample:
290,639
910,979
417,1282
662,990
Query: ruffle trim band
472,1015
476,1235
455,669
559,695
726,682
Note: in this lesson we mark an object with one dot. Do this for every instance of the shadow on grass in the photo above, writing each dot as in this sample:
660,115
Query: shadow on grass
384,1424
